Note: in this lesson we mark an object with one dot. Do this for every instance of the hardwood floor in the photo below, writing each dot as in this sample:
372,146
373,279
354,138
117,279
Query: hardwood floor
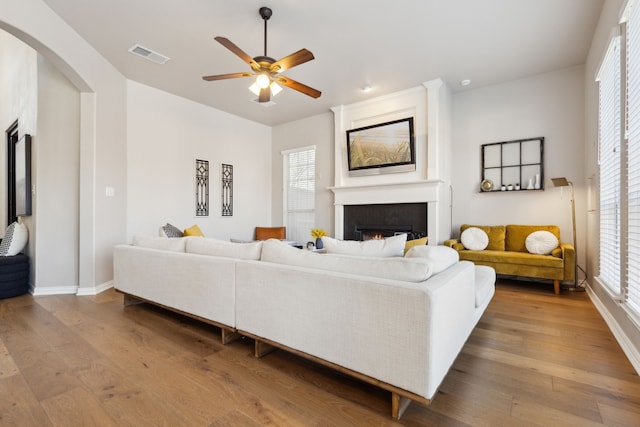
534,359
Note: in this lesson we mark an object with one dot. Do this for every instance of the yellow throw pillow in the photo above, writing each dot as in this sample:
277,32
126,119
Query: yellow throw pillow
194,230
414,242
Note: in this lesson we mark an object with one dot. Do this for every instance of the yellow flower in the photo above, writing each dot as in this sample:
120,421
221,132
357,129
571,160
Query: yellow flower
316,233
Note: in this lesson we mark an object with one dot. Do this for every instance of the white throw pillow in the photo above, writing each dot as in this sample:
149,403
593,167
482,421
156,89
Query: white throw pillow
441,257
15,239
541,242
474,238
391,246
222,248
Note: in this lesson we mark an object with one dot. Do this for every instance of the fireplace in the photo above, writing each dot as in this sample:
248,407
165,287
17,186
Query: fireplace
364,222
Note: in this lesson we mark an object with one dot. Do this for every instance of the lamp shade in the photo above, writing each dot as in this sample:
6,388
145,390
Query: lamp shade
560,182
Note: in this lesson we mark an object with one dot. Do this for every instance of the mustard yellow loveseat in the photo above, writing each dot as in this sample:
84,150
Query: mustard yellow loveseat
508,255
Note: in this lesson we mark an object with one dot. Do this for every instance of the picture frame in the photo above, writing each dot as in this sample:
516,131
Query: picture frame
382,148
23,175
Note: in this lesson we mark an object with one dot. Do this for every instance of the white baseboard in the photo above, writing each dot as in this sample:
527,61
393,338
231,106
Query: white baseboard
67,290
630,350
54,290
95,290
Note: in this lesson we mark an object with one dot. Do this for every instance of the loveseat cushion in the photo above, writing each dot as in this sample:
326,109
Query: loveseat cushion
441,257
222,248
512,258
394,268
496,235
517,235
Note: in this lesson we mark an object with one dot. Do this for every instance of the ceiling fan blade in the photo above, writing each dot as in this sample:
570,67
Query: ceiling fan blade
265,95
297,58
227,76
238,52
286,81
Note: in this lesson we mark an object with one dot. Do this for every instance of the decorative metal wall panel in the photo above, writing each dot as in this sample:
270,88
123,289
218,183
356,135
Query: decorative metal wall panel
227,190
202,187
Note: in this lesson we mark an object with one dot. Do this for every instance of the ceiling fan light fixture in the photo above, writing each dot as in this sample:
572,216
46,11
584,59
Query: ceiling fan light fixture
255,89
275,88
263,81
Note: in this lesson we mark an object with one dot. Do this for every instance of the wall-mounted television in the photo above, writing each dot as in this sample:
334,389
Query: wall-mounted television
382,148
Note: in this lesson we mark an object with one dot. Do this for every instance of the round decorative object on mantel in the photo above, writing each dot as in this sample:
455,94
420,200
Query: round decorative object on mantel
319,244
486,185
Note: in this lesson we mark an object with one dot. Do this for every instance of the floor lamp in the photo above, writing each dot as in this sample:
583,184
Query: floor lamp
564,182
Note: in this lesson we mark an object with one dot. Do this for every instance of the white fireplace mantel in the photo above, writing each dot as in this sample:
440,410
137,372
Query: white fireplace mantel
425,191
404,192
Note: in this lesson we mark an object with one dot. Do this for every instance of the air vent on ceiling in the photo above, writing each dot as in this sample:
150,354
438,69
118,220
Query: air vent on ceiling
152,56
264,104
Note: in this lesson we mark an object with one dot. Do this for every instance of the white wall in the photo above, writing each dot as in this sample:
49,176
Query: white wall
165,134
56,166
318,131
548,105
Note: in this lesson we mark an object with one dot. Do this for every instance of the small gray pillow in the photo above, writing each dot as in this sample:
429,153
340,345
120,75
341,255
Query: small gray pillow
172,231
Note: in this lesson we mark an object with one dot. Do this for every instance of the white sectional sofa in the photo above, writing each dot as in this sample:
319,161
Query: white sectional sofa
395,322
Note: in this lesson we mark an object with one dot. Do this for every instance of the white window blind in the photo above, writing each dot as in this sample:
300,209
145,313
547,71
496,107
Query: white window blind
609,155
632,285
299,197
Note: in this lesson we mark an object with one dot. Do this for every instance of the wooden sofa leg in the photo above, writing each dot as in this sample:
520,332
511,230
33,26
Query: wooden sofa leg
556,287
131,300
262,348
227,336
399,404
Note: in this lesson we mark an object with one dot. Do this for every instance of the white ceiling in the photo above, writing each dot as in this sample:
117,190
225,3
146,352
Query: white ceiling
390,45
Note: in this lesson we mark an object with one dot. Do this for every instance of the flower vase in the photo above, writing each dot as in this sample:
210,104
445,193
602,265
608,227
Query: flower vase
319,243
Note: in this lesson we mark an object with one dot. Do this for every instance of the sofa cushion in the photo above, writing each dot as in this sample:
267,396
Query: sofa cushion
395,268
541,242
225,249
441,257
485,280
15,239
496,235
521,258
517,235
390,246
474,238
162,243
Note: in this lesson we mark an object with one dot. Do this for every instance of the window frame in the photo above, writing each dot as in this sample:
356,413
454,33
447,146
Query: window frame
294,232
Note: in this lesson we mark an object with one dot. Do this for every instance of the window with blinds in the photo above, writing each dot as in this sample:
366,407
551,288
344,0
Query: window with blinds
632,283
609,155
619,156
299,193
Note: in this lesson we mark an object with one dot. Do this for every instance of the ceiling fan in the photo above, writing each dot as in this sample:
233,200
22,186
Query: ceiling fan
268,69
